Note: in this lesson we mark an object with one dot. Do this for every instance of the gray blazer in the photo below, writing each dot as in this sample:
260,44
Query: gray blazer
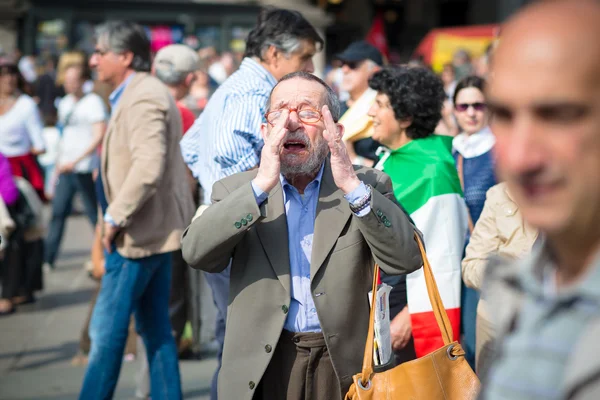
344,250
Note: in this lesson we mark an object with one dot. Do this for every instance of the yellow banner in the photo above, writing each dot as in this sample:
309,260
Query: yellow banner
446,45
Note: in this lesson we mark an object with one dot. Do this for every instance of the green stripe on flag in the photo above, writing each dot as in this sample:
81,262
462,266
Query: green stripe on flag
421,169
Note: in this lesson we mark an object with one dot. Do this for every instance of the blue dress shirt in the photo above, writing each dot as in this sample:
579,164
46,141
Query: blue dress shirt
300,213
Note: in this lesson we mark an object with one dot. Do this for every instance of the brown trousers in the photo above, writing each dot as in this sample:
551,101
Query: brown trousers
300,370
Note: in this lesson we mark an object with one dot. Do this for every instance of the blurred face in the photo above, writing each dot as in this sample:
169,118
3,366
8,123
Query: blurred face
448,75
470,110
73,83
8,81
547,124
300,60
110,67
356,76
304,148
386,128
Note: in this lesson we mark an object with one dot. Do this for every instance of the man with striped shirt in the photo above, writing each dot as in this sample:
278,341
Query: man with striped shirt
226,138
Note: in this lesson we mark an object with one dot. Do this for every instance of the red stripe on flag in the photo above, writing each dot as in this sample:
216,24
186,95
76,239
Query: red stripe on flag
426,332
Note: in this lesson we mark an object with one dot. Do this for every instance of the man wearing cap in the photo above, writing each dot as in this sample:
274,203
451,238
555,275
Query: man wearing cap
176,65
359,62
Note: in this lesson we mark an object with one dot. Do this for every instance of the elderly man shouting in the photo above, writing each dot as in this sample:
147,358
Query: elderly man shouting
303,231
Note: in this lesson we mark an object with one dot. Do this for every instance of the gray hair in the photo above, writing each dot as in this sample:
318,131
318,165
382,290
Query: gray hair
124,36
331,99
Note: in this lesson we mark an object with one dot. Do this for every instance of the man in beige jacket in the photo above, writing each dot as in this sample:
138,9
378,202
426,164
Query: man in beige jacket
149,204
303,232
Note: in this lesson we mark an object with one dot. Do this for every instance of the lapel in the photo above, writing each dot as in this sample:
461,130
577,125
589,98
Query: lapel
273,235
331,217
110,130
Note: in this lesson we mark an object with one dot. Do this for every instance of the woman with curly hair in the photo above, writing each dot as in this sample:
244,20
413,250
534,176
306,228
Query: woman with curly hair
406,111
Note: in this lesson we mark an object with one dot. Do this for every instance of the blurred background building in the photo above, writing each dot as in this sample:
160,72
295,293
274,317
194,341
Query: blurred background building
51,26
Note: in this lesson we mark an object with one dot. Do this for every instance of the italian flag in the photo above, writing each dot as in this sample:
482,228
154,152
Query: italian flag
426,183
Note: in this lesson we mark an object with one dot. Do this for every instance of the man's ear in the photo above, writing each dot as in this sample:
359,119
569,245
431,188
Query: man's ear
340,129
189,79
264,131
127,59
271,56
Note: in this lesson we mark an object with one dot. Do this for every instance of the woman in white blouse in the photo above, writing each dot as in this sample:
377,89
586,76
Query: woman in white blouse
20,127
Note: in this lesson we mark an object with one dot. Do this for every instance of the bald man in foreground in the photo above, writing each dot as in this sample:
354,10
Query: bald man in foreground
545,97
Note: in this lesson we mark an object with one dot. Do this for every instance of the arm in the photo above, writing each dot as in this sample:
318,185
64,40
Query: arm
34,128
484,242
392,243
210,249
148,148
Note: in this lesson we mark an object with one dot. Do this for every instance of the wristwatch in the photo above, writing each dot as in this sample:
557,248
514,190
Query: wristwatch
363,202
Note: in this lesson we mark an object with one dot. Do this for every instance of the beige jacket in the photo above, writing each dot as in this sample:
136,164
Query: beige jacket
500,230
341,270
143,172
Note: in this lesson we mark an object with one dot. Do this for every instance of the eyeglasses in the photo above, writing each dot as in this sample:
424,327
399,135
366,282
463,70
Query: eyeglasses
8,70
305,115
465,106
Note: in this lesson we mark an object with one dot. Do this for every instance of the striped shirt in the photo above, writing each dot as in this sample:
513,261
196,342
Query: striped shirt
534,356
226,138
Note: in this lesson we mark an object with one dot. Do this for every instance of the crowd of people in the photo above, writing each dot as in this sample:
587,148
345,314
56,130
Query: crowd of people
286,189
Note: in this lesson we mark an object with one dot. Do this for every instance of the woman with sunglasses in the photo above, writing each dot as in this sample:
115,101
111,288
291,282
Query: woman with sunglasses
20,127
472,150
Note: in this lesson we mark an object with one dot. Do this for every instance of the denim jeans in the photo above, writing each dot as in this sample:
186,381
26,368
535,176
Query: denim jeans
219,284
140,286
468,318
66,188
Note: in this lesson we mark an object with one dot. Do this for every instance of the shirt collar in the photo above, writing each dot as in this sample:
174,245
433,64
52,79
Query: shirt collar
541,272
256,68
114,97
470,146
285,183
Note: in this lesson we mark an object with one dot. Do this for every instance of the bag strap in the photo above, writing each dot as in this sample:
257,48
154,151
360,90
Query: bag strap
439,311
461,176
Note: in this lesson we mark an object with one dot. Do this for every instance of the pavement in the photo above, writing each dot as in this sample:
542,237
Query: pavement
38,342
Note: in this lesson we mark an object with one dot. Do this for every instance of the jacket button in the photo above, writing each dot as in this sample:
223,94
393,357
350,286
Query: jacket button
379,213
268,348
249,217
238,224
387,223
244,221
285,309
251,385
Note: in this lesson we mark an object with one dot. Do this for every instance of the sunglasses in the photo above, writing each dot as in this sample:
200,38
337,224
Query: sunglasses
352,64
465,106
8,70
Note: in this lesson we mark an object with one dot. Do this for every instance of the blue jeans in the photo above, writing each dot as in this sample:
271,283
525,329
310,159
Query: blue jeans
219,284
140,286
66,188
468,318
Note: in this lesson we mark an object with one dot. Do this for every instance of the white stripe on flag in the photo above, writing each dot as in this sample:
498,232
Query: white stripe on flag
443,222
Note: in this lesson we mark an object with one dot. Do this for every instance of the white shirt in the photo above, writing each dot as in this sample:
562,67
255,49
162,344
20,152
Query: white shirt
471,146
77,119
21,128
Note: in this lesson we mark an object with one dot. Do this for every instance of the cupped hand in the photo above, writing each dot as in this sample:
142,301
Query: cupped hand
270,164
341,165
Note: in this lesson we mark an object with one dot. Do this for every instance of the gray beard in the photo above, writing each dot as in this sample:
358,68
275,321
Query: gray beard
308,167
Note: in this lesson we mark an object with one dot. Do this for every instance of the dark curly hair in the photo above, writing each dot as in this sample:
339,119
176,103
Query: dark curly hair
415,93
471,81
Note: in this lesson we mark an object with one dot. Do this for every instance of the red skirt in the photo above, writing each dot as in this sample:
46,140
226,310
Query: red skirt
27,167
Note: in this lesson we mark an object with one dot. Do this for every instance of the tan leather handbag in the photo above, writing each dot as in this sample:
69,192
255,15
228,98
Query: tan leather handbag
443,374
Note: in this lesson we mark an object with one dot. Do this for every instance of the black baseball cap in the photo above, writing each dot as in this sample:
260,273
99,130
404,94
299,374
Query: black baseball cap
359,51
